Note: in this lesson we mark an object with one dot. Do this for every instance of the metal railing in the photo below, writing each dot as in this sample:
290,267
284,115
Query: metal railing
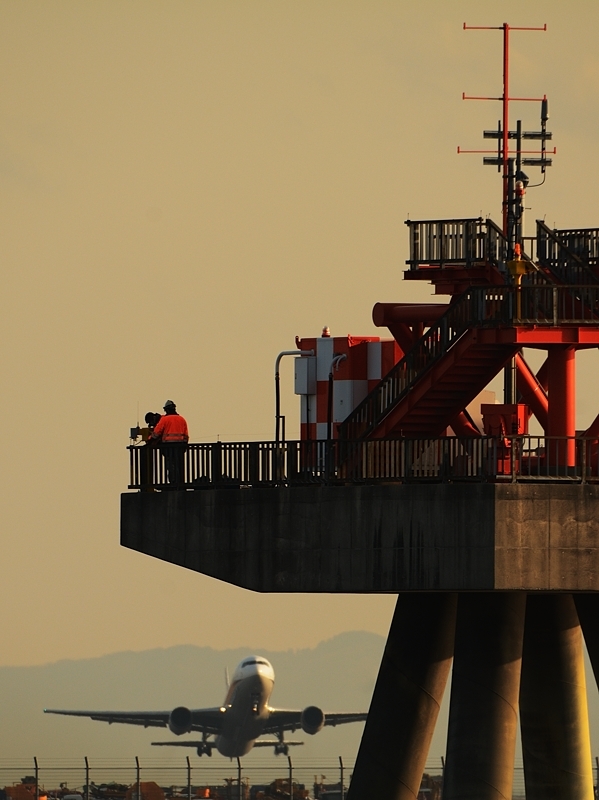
478,307
583,242
294,463
569,255
566,254
449,242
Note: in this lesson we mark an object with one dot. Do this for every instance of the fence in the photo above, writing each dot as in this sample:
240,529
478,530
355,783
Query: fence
183,779
186,778
111,779
447,459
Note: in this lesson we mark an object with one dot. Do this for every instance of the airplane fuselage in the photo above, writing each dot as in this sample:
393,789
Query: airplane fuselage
246,709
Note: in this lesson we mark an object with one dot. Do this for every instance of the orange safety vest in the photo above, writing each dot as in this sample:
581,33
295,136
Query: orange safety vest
171,428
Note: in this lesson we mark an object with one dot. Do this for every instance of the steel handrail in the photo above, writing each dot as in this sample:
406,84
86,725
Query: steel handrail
574,267
266,464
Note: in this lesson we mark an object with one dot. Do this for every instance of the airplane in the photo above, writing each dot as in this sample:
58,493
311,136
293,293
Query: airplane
236,725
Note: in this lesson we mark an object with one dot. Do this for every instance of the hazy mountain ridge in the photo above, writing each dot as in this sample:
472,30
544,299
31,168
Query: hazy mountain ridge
337,674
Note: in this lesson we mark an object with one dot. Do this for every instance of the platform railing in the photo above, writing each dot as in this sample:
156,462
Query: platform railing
583,242
293,463
450,242
568,254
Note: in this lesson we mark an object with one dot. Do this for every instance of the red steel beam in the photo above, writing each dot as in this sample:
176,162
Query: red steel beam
532,391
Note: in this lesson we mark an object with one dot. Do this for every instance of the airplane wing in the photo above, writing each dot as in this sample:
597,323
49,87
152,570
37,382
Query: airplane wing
286,720
204,720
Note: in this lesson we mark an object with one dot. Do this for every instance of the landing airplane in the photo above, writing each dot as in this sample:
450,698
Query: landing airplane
236,725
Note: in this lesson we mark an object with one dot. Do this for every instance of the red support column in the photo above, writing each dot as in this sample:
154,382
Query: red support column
562,403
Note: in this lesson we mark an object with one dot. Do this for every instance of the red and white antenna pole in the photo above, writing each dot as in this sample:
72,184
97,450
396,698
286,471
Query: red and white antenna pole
506,123
505,101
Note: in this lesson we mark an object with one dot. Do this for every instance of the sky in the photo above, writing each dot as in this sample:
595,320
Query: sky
185,186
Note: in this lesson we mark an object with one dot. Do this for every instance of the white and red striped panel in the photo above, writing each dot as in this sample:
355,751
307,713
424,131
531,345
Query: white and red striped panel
368,359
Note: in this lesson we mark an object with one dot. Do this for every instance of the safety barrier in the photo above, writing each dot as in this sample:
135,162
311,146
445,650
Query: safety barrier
568,254
293,463
450,242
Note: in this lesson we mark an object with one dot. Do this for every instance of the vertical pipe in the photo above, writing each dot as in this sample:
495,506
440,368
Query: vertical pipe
561,418
138,778
483,715
553,711
277,405
86,779
342,787
239,794
290,763
330,407
406,699
37,778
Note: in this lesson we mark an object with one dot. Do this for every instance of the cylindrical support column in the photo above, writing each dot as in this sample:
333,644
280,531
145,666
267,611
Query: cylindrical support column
406,698
553,705
483,715
587,606
561,419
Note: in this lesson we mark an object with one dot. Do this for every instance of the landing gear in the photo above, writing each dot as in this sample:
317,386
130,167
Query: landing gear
281,749
205,748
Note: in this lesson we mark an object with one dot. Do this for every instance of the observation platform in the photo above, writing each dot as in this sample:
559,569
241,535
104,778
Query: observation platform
445,514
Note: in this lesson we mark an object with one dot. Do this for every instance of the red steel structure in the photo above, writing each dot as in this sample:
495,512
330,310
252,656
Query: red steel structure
404,409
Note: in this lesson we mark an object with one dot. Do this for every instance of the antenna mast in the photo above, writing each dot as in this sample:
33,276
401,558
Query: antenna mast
514,180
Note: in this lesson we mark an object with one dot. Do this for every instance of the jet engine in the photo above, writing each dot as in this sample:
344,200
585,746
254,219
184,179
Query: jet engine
180,720
312,719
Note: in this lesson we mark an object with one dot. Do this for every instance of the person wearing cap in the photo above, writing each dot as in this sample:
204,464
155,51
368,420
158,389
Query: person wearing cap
172,435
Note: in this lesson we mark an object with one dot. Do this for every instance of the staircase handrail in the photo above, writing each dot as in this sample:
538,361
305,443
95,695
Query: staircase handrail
470,310
477,307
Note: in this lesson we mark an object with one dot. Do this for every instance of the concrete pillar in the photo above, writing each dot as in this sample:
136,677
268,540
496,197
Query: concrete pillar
587,606
561,419
483,716
553,706
406,698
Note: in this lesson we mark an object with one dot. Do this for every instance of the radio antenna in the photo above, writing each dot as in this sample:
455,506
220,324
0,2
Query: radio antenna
510,162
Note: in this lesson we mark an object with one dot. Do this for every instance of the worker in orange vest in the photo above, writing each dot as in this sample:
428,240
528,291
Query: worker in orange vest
172,435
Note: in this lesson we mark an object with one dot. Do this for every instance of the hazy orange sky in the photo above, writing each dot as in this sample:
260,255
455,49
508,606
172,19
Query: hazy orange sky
185,186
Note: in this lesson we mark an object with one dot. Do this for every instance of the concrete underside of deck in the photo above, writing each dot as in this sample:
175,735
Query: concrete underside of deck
378,538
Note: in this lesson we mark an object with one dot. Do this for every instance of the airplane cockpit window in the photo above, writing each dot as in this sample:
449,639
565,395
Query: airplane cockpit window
254,661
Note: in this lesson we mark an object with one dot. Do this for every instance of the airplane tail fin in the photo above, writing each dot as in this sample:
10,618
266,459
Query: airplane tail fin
227,681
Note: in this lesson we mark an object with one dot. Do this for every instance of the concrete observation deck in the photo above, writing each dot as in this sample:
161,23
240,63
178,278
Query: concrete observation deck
451,537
